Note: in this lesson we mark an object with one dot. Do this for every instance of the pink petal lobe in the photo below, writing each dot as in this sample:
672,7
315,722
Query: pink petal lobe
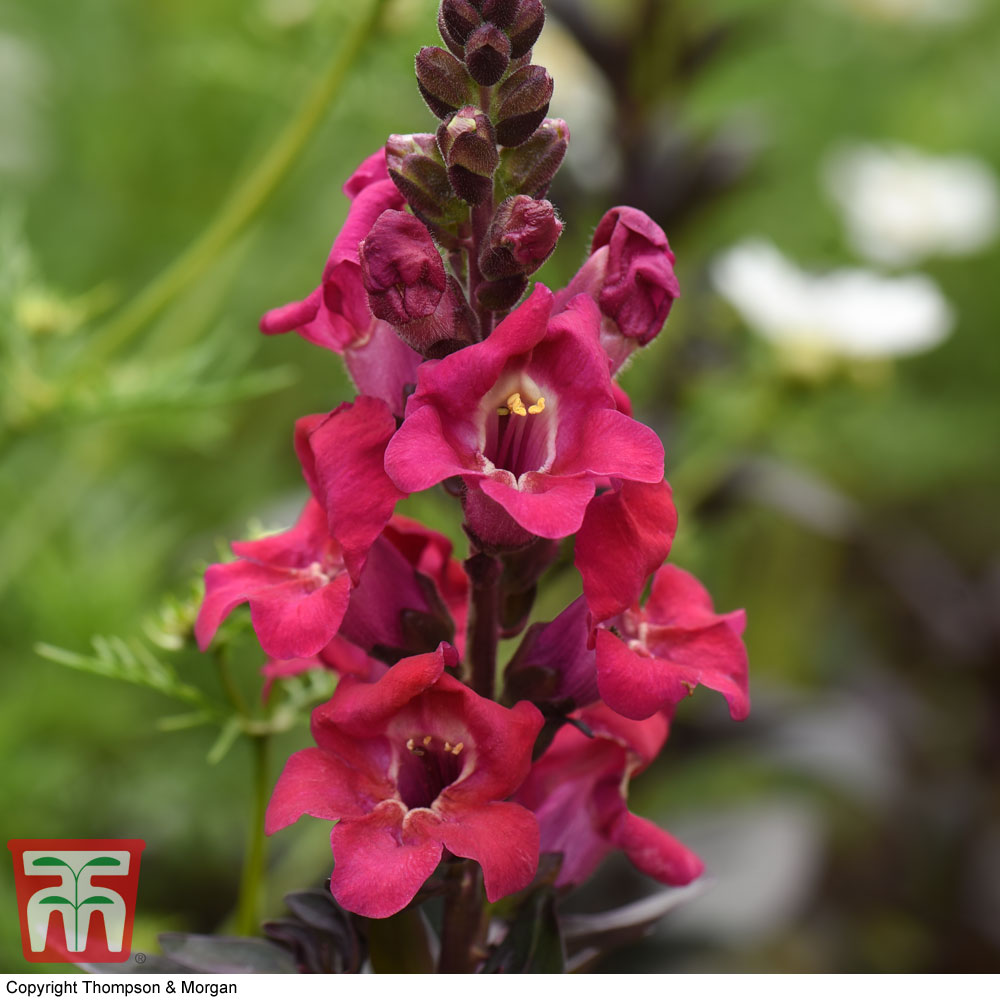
228,585
626,534
343,459
654,851
501,836
548,506
420,454
378,871
313,783
290,621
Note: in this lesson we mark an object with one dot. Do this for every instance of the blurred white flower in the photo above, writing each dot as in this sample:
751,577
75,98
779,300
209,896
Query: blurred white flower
914,11
850,313
901,206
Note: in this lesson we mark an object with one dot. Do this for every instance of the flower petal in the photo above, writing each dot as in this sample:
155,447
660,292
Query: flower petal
294,620
343,460
654,851
378,871
313,783
547,506
625,535
501,836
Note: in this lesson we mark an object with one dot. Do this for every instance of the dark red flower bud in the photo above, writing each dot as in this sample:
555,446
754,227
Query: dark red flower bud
461,18
453,43
530,167
526,27
500,12
417,169
498,296
443,81
523,99
521,236
487,54
468,144
401,268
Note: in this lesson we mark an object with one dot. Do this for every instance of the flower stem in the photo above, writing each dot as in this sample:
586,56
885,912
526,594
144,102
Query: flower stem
462,926
255,861
242,204
484,621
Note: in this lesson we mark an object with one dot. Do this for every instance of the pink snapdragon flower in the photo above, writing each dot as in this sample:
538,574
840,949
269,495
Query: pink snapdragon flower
630,275
411,765
641,661
652,657
336,314
529,421
577,790
296,583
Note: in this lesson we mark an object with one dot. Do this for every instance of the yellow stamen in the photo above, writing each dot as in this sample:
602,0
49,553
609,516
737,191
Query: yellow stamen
457,748
426,741
503,411
515,404
539,406
413,748
689,686
447,747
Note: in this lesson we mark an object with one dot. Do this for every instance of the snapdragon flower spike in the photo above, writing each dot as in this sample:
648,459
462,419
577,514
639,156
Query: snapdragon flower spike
411,765
521,103
528,420
469,147
650,658
296,583
342,455
630,275
529,168
336,314
577,790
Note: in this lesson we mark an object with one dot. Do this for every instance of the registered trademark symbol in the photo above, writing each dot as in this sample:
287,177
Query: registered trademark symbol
139,957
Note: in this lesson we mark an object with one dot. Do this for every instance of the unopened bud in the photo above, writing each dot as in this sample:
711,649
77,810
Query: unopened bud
501,295
417,169
443,81
500,12
402,269
526,27
446,36
523,100
487,54
460,18
521,236
468,144
530,167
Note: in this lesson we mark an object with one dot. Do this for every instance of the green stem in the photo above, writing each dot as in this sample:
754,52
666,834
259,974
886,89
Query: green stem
242,204
255,862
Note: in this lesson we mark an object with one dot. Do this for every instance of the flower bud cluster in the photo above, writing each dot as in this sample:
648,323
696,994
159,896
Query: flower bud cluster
513,407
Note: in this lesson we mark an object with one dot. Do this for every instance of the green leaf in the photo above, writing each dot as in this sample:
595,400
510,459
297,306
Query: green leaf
57,899
534,942
49,862
125,660
103,862
96,899
401,943
226,738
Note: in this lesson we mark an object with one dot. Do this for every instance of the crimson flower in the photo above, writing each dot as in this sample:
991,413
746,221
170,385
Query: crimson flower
577,790
643,660
529,420
411,765
296,583
336,314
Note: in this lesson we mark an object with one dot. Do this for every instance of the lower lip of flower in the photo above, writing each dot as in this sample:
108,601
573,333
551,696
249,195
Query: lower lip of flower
518,428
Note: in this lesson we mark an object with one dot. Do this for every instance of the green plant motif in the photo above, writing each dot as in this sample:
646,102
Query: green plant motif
76,902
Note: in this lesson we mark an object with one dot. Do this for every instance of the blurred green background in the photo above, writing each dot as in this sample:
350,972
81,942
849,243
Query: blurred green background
853,822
